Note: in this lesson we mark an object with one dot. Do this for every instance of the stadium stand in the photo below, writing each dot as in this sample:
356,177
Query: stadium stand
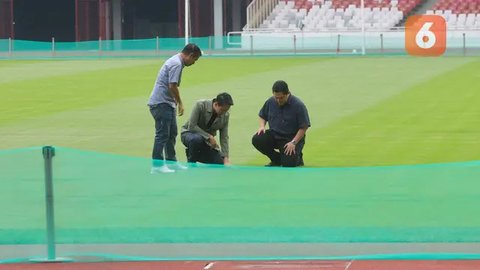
338,14
458,13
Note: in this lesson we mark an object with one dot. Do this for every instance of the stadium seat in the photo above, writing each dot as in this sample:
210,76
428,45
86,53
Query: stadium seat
338,14
458,13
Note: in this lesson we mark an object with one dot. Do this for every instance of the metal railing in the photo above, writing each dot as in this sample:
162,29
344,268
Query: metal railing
349,29
258,11
252,42
465,41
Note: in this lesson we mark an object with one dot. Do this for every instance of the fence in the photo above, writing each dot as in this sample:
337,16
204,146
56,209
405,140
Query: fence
465,42
110,199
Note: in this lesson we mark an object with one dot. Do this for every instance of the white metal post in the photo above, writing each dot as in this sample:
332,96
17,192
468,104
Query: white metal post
10,47
187,20
53,46
218,23
362,6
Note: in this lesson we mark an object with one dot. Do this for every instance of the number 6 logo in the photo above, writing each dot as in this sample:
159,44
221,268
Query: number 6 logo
425,35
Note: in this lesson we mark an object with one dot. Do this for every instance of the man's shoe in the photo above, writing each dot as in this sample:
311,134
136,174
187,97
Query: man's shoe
162,169
271,164
179,166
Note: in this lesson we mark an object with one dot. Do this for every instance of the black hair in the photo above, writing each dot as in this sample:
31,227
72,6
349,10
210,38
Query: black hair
280,87
223,99
192,48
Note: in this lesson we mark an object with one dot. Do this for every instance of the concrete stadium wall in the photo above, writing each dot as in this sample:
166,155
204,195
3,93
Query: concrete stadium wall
330,41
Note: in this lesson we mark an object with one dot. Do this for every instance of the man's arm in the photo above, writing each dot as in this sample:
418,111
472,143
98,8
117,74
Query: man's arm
262,122
263,117
304,120
224,140
300,133
290,146
197,111
173,88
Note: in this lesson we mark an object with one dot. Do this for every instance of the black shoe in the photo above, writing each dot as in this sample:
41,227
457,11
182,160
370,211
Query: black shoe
271,164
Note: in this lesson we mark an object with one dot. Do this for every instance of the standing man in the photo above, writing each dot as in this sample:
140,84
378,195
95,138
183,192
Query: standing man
164,101
288,122
198,134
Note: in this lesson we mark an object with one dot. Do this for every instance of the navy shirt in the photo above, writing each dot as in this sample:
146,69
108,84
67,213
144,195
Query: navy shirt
285,120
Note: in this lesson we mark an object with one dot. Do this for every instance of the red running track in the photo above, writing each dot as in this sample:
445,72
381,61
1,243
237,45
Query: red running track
260,265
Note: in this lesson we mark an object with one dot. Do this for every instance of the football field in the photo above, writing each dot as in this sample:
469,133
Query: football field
365,111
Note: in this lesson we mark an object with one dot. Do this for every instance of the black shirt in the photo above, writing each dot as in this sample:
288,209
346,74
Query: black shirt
285,120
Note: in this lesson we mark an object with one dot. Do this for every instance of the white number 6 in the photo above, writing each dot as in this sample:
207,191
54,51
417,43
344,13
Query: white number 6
425,32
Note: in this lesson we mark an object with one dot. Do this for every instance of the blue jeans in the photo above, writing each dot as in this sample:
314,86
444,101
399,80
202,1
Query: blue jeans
165,133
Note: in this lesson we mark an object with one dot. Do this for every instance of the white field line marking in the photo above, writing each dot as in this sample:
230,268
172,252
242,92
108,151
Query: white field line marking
348,265
208,266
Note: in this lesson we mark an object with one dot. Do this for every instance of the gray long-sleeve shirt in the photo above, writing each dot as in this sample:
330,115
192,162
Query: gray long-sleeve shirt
199,118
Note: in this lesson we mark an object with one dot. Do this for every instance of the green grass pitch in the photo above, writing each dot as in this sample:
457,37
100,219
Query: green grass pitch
365,111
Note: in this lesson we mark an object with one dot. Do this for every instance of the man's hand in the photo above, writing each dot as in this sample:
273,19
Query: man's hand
226,161
212,141
261,130
289,149
180,109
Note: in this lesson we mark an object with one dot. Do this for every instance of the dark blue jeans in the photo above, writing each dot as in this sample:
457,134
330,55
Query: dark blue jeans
165,133
198,150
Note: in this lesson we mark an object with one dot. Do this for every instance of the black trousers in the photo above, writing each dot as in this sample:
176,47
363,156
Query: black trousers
199,151
268,144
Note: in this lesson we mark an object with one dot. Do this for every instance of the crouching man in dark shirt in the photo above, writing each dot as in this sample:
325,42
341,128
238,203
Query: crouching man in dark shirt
288,121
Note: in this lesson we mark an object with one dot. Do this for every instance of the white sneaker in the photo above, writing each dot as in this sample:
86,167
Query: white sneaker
179,166
162,169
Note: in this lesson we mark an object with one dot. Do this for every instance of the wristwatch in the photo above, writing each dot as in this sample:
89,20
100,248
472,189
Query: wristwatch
294,142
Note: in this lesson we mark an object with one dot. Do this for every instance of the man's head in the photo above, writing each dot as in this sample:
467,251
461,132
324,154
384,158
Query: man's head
190,54
222,103
280,92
